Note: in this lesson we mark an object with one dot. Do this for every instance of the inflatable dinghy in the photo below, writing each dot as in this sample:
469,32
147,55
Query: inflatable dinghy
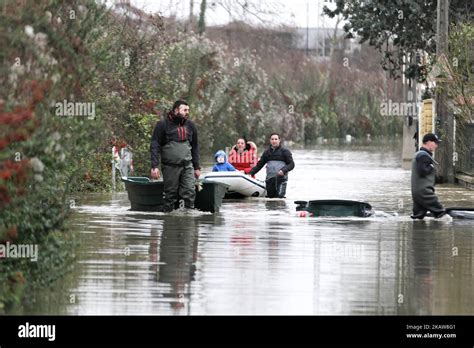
240,185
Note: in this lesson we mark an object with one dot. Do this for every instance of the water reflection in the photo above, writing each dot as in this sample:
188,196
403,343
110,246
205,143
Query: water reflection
275,205
424,258
440,266
177,254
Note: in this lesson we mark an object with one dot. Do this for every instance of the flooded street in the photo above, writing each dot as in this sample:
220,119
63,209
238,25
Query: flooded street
257,257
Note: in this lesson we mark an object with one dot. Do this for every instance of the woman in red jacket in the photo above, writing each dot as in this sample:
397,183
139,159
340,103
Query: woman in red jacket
243,155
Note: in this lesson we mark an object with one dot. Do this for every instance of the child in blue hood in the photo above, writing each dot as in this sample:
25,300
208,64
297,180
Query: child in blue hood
221,163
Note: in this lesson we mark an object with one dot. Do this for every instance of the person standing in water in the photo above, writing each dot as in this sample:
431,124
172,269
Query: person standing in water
279,161
175,144
423,173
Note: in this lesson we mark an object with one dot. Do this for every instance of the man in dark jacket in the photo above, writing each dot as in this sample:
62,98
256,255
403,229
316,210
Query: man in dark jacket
175,144
279,161
423,174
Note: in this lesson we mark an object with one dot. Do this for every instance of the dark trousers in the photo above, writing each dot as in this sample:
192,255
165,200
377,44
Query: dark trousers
426,201
276,186
178,182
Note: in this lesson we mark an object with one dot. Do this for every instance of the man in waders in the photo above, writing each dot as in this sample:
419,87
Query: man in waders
279,161
423,174
175,144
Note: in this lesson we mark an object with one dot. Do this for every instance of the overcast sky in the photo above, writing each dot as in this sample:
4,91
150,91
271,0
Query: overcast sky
292,13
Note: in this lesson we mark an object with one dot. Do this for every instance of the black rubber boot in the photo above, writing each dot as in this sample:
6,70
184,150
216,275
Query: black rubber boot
440,214
420,215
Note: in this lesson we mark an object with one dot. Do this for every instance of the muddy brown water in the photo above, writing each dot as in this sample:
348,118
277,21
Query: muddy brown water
257,257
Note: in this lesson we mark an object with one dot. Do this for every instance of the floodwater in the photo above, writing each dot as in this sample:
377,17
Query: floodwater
257,257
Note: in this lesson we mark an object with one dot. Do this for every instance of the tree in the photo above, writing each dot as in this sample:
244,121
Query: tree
202,18
397,28
239,10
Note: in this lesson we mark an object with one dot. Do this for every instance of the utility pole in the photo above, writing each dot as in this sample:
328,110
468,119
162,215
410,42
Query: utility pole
445,117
